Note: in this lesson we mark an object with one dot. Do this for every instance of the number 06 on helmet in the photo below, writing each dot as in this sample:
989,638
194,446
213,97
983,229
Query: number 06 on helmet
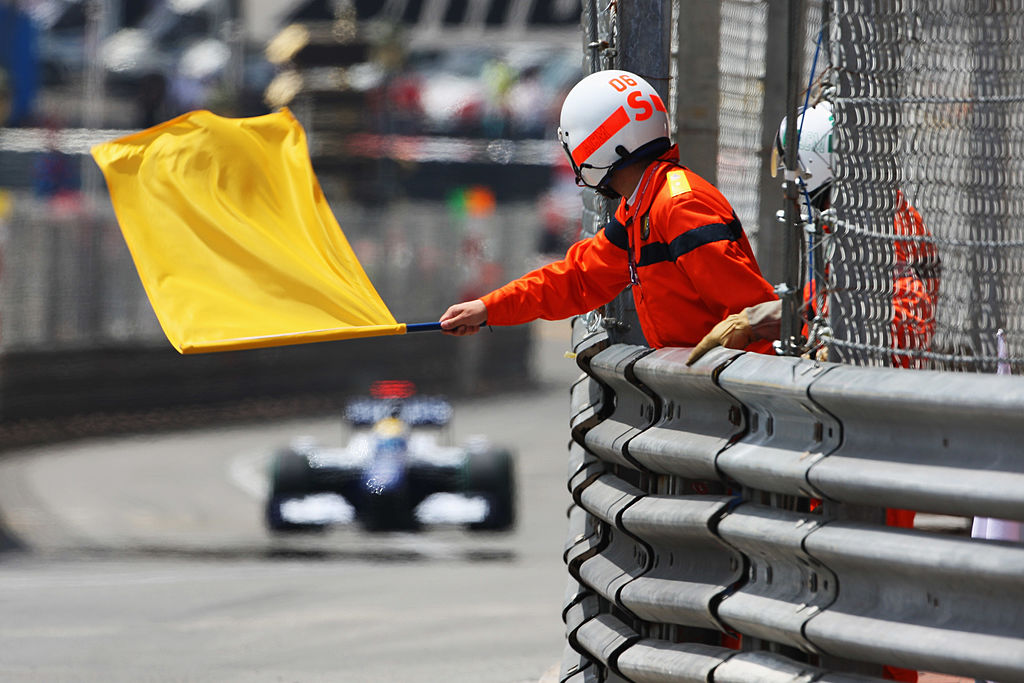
609,120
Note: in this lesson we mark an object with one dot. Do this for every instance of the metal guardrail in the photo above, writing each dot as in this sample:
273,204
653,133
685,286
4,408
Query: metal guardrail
693,490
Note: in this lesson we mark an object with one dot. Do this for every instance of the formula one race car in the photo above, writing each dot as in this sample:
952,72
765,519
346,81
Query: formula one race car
395,474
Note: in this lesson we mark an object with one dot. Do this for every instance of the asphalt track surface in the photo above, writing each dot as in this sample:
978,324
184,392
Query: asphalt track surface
145,559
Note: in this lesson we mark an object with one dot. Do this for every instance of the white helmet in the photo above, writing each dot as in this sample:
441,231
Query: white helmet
611,119
814,153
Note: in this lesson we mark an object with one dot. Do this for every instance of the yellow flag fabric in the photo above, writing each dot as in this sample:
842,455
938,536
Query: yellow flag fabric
233,238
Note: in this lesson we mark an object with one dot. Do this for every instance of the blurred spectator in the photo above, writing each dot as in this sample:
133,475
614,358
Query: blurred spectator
509,92
19,65
915,285
525,103
188,93
498,77
55,174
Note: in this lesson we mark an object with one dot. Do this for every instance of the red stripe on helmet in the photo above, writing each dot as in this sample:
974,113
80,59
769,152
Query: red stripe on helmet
612,125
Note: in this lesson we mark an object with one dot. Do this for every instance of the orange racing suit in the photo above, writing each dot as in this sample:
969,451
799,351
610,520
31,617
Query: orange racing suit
915,288
679,247
915,284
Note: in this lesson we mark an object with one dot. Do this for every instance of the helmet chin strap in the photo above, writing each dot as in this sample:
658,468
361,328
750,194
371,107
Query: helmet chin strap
602,185
645,152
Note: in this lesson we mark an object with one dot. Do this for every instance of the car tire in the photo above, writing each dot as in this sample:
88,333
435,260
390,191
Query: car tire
492,474
289,478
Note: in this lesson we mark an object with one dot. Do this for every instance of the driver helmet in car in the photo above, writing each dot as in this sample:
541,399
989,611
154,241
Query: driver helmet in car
391,436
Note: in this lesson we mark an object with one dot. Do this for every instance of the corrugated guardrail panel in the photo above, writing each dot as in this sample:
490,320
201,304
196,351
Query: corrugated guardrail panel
766,667
606,637
577,668
634,409
578,613
922,600
578,461
583,533
587,342
586,407
660,662
788,433
621,557
925,440
781,430
696,421
689,567
784,586
647,660
586,396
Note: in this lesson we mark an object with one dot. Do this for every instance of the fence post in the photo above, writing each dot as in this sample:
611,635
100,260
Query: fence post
791,293
770,244
636,38
695,86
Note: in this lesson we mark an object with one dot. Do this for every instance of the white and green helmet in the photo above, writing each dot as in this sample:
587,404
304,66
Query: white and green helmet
814,153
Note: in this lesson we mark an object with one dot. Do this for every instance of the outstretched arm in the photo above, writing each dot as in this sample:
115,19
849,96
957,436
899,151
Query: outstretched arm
593,271
740,329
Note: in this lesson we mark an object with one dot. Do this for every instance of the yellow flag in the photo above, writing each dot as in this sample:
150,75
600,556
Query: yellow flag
232,237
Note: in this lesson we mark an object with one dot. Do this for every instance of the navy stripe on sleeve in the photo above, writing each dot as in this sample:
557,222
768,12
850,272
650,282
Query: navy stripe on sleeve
616,234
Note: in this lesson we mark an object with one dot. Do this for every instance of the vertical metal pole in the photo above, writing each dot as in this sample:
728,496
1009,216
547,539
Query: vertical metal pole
236,37
643,42
697,87
770,242
819,277
96,29
597,44
790,290
642,45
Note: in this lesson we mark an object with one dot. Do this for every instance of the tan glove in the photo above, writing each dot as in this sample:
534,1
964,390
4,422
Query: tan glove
734,332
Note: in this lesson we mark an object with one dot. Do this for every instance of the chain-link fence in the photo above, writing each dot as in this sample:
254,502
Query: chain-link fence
914,258
740,110
928,108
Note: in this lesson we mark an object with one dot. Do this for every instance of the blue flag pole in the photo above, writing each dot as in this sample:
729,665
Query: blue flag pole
422,327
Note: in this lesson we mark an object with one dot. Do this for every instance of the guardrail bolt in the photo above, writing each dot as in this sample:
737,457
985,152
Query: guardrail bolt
735,417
